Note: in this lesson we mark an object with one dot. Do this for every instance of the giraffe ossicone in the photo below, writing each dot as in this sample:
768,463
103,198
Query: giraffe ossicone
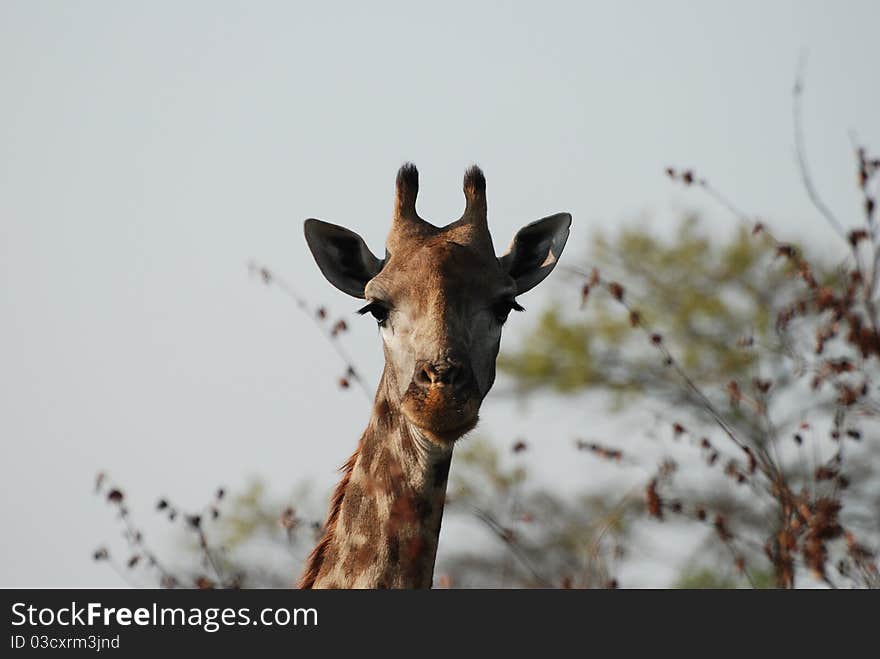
440,297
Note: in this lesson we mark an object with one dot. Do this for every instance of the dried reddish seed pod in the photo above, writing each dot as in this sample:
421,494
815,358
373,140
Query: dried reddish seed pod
785,250
655,503
762,385
203,583
753,462
721,529
734,392
825,473
288,519
856,236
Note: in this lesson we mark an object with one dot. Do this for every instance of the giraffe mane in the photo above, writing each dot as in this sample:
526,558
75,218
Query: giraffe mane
316,558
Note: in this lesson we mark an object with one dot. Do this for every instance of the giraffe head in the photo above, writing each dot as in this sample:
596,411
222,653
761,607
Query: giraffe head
440,297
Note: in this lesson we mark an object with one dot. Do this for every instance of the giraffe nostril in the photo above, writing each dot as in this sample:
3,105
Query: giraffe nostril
444,373
425,375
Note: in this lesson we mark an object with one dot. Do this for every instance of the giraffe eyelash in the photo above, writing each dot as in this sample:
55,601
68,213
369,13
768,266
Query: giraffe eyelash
503,307
378,310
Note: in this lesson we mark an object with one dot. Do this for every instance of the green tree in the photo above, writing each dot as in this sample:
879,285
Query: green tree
750,352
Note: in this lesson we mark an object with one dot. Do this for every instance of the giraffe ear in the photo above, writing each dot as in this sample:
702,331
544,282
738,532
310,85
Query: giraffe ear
535,249
342,255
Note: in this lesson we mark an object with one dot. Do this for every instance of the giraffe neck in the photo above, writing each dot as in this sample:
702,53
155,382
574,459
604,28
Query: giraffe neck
385,516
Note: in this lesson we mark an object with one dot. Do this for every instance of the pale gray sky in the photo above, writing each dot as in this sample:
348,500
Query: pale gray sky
148,150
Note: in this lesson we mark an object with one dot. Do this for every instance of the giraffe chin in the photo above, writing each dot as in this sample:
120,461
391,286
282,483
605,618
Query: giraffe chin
441,418
449,437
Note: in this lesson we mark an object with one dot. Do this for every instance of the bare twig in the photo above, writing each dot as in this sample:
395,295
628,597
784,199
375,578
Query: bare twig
801,153
506,536
269,277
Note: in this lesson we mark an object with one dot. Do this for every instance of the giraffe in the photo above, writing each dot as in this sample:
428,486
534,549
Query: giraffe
440,297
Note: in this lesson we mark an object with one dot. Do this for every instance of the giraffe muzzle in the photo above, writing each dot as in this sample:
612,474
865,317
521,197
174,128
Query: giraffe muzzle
442,398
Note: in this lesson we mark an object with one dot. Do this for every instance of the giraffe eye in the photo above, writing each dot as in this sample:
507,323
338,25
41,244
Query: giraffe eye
502,308
378,310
